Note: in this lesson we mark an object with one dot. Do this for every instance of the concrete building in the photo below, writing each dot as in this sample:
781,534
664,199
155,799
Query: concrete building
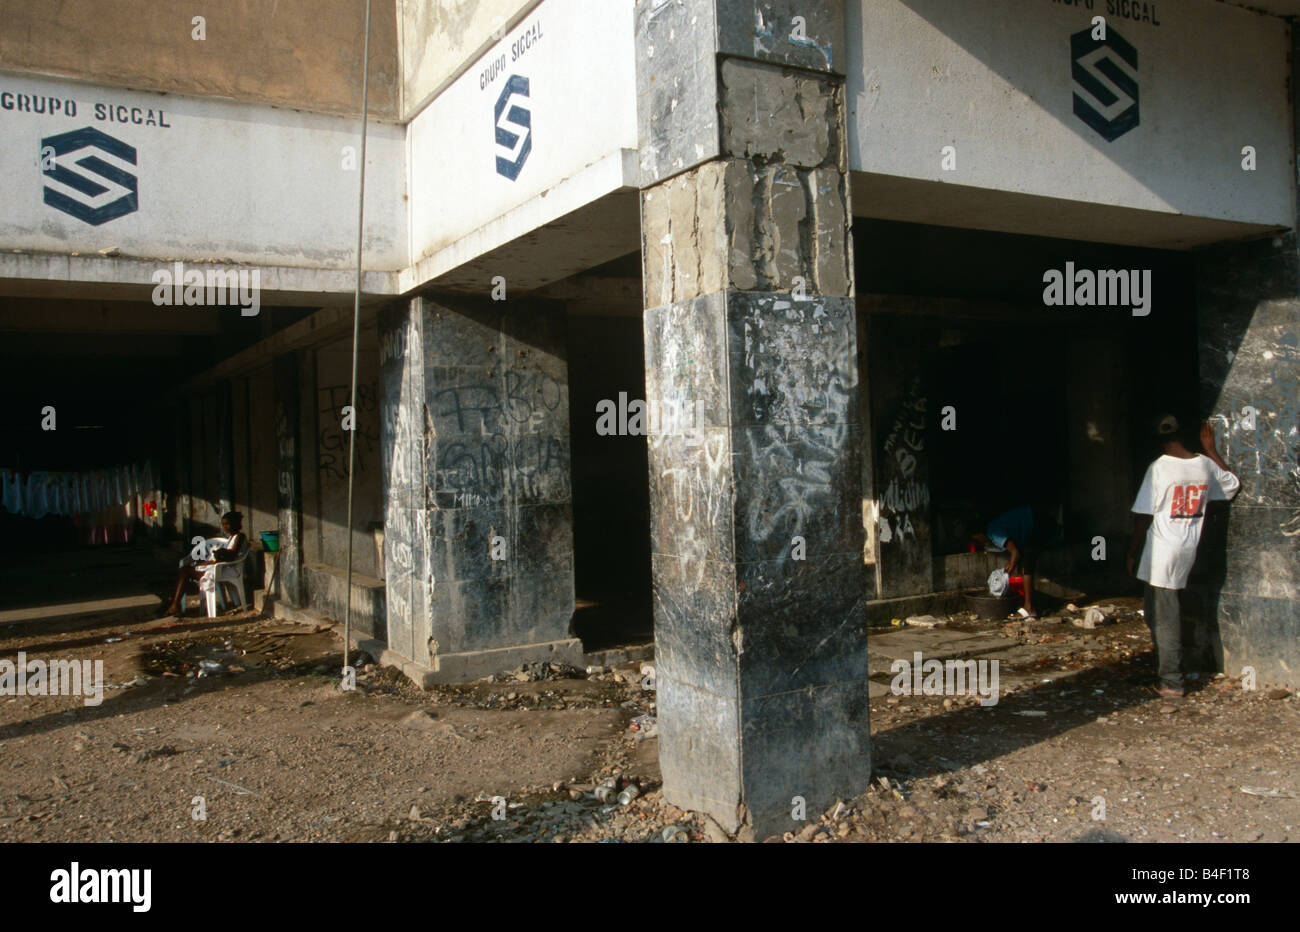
818,237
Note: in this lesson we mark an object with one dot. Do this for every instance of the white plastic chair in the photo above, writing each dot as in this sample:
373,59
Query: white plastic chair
214,543
231,573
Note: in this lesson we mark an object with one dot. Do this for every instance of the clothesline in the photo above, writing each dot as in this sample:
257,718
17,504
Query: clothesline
39,493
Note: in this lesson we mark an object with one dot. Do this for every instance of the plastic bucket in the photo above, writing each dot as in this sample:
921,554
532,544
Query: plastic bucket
271,541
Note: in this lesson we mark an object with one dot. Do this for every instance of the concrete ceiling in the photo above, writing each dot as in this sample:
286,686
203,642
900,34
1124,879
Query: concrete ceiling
945,204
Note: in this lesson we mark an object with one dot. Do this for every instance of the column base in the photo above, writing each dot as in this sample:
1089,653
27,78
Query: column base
470,665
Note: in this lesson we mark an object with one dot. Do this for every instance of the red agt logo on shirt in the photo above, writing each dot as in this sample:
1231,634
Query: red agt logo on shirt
1187,501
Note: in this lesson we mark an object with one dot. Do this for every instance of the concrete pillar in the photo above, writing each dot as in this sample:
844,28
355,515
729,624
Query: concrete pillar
1248,321
478,532
224,454
310,511
900,356
1248,312
288,471
751,368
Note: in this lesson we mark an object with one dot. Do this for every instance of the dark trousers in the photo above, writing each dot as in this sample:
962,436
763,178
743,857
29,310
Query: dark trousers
1165,622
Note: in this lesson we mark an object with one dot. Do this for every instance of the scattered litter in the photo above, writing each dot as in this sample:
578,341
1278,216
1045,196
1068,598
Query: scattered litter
607,790
1268,792
675,835
138,681
630,792
111,640
924,621
1094,617
235,786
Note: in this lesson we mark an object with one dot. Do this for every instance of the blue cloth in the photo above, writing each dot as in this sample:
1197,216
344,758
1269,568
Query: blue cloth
1016,524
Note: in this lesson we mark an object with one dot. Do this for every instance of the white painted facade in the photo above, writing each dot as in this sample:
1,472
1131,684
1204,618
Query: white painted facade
994,80
242,184
572,64
216,180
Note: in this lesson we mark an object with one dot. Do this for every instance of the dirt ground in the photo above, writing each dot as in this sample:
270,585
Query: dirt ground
267,747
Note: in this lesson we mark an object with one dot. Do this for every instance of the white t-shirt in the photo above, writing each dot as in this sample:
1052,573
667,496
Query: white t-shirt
1174,492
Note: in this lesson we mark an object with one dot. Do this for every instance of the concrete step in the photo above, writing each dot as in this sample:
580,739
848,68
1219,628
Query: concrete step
612,657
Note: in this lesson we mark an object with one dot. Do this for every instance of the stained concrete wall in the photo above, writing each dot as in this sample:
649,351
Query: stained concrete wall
1248,302
769,218
901,415
329,454
439,40
747,274
304,54
478,524
678,122
288,472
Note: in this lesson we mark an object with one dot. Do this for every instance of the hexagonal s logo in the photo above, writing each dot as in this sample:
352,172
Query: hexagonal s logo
101,190
1105,82
511,111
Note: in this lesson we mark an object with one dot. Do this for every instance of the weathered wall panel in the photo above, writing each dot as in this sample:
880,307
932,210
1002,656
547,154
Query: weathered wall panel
1249,325
290,53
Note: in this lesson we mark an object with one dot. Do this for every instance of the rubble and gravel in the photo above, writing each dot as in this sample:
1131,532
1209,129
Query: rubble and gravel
247,713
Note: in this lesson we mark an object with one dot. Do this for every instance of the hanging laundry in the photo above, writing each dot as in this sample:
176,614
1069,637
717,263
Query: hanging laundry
37,496
12,491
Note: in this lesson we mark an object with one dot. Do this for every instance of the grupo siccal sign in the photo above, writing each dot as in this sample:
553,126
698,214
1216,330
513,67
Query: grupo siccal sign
1032,97
89,168
556,94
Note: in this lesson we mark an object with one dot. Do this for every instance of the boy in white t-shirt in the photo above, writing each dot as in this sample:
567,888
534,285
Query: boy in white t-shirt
1170,509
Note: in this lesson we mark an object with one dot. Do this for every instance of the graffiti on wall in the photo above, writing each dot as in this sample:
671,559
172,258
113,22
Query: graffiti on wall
906,494
332,439
505,438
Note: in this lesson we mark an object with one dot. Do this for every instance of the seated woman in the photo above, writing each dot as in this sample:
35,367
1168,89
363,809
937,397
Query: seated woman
232,523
